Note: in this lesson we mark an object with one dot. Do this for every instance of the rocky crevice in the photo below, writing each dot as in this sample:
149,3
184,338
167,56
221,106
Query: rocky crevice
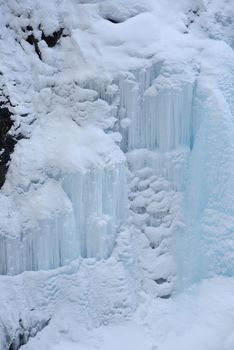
23,334
7,138
51,40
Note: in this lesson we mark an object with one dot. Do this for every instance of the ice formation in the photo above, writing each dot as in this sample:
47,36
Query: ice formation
158,104
99,199
96,202
209,199
120,187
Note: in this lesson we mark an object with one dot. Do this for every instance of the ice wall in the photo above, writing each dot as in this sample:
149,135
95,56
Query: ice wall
154,110
51,244
170,165
86,225
209,197
158,106
99,198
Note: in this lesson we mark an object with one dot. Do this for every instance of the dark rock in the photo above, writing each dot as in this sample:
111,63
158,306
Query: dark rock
7,142
167,296
33,41
160,280
51,40
112,20
23,335
29,28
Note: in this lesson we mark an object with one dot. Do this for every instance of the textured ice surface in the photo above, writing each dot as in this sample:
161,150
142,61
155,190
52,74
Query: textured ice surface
99,198
94,293
201,317
153,72
83,219
209,203
158,107
55,202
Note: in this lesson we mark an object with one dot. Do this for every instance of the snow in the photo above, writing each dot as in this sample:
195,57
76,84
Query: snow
200,318
57,202
119,196
76,139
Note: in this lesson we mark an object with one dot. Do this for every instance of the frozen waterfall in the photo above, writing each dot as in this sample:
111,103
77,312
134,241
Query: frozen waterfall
204,247
156,120
159,109
99,198
116,174
159,117
154,112
97,207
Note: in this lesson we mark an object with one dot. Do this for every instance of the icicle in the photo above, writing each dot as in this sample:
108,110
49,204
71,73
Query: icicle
53,243
99,198
159,110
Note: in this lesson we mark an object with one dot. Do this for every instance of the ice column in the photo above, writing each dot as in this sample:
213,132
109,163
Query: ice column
210,194
156,121
51,244
99,198
98,206
158,108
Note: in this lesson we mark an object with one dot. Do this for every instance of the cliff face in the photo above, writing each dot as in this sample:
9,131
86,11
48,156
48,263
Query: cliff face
116,160
7,140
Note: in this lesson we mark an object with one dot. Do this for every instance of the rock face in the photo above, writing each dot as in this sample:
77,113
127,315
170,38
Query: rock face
7,140
51,40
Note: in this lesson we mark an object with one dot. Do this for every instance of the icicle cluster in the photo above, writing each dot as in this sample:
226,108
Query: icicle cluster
98,207
153,110
159,109
99,198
